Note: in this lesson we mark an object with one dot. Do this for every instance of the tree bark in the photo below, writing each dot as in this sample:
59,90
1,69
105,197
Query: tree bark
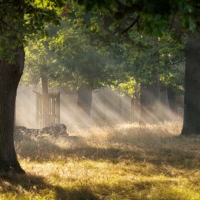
45,89
191,123
10,75
150,103
164,99
85,99
45,92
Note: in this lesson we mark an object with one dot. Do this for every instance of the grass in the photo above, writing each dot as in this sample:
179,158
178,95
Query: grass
123,162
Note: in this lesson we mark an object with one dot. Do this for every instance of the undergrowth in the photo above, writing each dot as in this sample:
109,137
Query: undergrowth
122,162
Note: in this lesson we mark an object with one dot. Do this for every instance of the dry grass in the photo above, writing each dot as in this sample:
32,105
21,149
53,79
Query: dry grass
123,162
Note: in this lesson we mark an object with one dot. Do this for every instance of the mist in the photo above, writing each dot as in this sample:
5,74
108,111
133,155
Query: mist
108,107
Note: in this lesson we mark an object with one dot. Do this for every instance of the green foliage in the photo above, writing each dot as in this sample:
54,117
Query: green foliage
152,56
87,50
127,87
151,16
67,57
80,50
41,62
23,19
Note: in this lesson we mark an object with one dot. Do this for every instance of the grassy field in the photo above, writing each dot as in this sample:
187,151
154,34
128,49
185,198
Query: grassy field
123,162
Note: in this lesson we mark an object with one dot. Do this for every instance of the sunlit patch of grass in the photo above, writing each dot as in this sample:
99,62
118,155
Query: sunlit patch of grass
120,162
116,181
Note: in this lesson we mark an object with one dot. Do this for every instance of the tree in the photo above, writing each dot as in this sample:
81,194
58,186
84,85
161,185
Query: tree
39,63
155,17
86,43
76,49
154,67
153,62
191,123
18,20
67,58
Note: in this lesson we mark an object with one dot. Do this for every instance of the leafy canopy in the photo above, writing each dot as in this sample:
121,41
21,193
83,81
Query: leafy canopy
152,16
21,19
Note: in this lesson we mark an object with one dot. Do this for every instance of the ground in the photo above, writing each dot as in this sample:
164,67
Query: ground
126,161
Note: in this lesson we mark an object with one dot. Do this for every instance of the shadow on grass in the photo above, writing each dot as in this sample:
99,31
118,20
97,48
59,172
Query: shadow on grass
179,152
35,187
31,186
160,151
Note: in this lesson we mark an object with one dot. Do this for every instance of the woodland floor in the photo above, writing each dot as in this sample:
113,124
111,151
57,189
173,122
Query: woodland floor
121,162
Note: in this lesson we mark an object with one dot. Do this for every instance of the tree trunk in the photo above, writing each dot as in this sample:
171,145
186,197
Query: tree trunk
172,99
166,112
45,89
10,75
85,99
45,92
150,103
191,123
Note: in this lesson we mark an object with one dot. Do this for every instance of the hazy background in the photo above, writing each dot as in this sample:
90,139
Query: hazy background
108,107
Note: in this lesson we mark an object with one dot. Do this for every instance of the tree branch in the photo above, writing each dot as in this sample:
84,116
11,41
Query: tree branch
131,25
3,22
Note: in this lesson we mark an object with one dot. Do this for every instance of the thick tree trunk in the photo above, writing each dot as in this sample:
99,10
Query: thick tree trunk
191,123
10,75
